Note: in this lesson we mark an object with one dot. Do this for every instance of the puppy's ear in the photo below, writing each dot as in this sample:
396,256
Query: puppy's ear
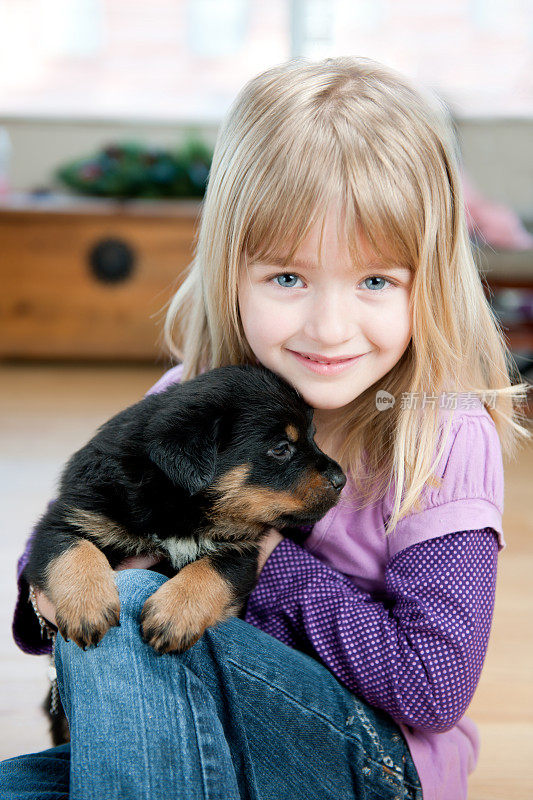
188,458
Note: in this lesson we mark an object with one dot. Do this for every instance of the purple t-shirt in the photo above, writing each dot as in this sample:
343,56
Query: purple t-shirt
402,621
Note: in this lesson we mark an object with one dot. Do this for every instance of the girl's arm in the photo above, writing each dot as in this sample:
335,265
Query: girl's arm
418,651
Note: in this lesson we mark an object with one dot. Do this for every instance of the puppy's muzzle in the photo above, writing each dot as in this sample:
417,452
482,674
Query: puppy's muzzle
337,478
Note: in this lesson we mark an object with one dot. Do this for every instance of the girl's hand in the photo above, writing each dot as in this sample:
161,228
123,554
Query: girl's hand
137,562
268,544
47,609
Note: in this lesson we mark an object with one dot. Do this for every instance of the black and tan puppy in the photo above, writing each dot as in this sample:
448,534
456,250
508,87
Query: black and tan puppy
195,475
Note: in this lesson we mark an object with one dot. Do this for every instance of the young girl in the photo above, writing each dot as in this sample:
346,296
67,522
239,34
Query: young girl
333,249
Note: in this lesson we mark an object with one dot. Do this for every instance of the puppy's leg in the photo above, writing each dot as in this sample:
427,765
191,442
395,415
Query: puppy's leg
81,585
203,593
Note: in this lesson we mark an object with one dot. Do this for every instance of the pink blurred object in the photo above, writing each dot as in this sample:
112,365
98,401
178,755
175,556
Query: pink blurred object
498,225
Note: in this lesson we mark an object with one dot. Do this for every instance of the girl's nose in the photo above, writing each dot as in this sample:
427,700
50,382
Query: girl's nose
331,320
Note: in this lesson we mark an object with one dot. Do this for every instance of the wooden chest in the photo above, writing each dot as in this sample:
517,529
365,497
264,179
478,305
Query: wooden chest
90,279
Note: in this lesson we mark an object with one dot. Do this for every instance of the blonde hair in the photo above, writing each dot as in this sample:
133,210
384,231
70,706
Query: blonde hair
298,138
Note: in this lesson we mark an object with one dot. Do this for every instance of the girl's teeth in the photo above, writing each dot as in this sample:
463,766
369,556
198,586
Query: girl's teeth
316,360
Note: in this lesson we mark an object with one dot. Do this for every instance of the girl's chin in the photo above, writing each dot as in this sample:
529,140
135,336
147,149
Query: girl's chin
317,397
321,403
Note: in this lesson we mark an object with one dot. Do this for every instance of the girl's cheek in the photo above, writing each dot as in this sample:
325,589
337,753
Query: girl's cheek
268,328
403,321
390,323
256,321
264,318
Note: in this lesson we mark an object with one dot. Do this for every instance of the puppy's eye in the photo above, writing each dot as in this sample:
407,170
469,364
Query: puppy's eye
282,451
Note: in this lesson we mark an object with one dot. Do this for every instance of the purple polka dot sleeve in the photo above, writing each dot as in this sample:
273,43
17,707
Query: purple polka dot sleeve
416,652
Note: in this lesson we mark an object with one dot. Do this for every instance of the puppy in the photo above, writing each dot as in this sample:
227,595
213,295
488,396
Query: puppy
195,475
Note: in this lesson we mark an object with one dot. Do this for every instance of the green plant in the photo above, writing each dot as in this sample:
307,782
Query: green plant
129,169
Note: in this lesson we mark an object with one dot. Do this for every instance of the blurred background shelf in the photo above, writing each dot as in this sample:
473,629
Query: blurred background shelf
90,279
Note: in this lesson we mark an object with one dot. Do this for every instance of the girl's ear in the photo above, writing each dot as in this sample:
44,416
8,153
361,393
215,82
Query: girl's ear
188,457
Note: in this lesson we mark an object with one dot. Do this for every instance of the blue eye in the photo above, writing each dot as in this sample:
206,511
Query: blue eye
290,277
375,278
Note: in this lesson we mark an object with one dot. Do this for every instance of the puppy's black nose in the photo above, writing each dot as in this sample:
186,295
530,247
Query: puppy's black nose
337,480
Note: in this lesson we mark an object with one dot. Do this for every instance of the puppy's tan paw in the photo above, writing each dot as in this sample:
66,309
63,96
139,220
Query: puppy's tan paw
176,616
83,590
170,633
89,626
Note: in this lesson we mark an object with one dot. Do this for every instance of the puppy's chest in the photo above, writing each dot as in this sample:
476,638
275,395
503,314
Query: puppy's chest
182,551
118,541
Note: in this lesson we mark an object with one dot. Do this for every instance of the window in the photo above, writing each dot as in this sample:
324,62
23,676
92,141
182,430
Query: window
185,60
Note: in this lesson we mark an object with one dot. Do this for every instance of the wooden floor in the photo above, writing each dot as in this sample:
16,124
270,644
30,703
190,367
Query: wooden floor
47,412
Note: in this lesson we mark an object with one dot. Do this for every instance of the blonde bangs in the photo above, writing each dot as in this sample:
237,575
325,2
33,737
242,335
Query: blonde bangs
376,213
335,156
289,209
386,195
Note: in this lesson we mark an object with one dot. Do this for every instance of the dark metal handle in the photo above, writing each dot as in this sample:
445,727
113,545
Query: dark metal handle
111,260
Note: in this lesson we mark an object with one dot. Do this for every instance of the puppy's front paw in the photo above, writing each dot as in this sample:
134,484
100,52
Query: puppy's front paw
176,616
83,589
86,623
168,622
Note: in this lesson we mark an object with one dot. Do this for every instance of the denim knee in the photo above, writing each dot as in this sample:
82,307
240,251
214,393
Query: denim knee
134,588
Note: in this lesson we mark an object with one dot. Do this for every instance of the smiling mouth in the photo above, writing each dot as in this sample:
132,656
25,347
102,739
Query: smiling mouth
325,368
318,360
327,360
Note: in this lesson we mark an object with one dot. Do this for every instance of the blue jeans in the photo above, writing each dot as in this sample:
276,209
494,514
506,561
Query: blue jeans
239,716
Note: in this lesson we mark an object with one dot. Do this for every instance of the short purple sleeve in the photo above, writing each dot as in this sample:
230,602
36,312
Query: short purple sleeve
472,488
26,629
173,375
